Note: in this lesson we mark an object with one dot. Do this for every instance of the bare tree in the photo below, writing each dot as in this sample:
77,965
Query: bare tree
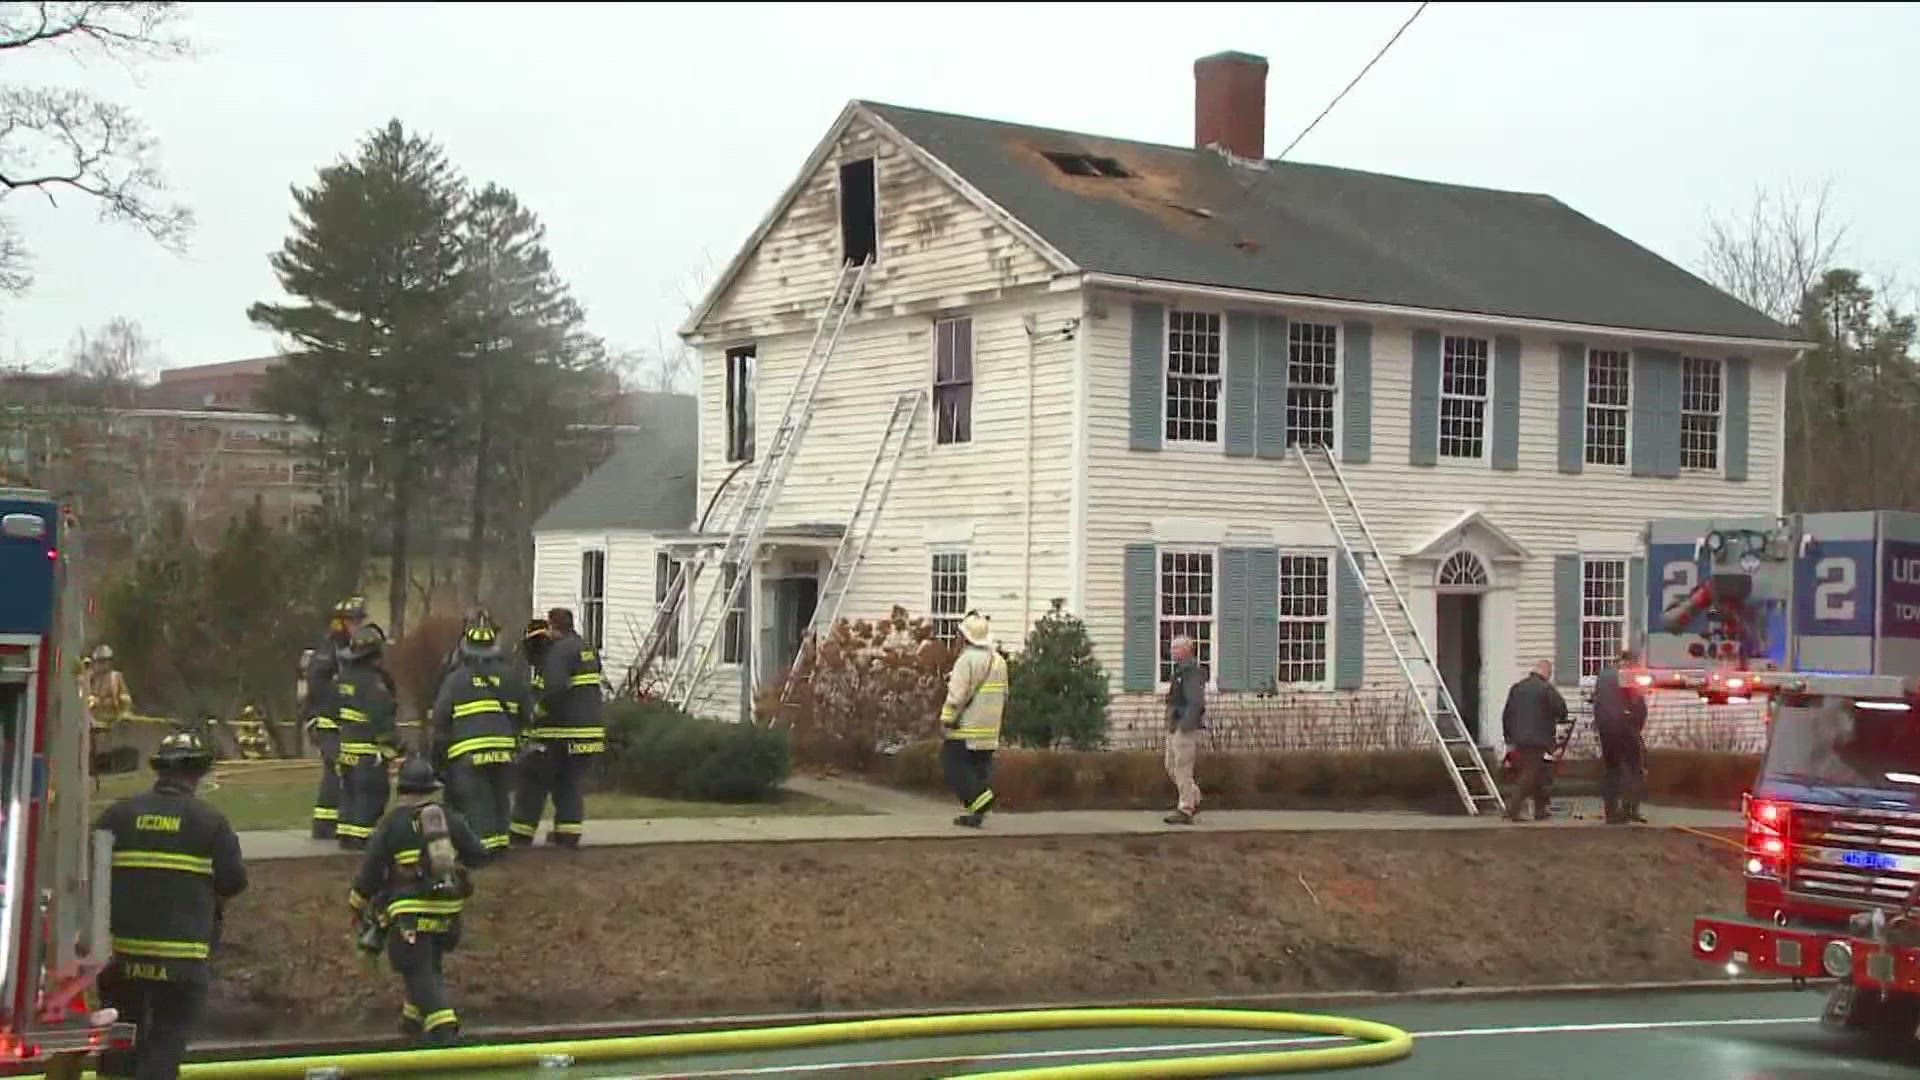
56,141
1771,255
119,353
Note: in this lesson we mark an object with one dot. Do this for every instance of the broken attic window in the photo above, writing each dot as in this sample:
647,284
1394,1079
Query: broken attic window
1086,165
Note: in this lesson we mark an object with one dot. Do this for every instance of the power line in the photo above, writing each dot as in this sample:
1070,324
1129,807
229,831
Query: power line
1356,81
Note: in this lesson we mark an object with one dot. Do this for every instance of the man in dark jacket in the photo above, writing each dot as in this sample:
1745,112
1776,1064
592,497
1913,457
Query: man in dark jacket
175,861
1186,719
1620,719
477,718
565,734
321,665
368,739
1534,709
410,891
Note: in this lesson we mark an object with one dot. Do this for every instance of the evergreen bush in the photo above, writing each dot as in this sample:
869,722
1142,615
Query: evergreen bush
656,749
1058,693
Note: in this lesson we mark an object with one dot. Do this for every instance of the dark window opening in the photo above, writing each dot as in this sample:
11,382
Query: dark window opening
1087,165
740,365
859,233
733,642
665,568
593,597
953,381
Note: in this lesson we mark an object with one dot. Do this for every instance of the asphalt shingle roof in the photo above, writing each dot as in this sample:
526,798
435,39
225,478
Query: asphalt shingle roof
647,483
1314,230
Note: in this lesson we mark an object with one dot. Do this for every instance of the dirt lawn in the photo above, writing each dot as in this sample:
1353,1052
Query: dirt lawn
640,933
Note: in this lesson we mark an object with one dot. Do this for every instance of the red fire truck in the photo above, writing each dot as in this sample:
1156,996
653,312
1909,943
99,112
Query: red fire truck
53,899
1832,852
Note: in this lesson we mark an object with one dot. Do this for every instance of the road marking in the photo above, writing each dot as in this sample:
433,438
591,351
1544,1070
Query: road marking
1197,1047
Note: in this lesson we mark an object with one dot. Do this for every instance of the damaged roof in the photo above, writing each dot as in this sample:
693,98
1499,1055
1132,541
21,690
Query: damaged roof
1193,217
648,483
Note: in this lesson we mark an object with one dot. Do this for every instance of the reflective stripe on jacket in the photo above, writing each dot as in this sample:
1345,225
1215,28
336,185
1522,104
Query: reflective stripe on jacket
365,713
174,859
476,712
389,871
570,681
976,696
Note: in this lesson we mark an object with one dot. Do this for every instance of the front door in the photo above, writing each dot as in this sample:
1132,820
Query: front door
1458,649
793,604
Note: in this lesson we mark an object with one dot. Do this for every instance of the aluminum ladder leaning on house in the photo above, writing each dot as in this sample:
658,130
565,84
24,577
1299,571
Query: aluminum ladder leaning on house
743,544
860,528
667,613
1475,784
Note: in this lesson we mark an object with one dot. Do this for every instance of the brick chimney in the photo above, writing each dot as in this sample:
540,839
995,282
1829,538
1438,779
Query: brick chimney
1230,104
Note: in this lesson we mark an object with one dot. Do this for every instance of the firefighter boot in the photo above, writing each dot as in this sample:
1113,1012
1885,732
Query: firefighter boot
1632,813
1613,815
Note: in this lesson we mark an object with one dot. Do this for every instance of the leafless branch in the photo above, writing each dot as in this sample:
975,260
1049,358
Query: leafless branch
1771,256
123,29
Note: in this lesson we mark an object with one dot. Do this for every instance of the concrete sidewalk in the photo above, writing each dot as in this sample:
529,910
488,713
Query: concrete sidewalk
895,815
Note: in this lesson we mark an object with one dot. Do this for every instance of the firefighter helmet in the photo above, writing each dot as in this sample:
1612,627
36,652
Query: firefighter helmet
353,607
976,628
182,752
480,640
537,629
102,652
368,640
416,776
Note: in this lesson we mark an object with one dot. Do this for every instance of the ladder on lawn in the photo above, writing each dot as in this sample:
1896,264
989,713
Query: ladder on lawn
667,614
743,543
860,526
1468,769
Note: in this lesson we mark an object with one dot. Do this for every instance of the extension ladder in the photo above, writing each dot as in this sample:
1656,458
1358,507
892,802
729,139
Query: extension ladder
743,544
1475,784
860,525
667,614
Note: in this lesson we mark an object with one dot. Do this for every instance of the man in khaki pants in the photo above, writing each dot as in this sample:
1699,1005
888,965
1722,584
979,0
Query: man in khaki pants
1186,719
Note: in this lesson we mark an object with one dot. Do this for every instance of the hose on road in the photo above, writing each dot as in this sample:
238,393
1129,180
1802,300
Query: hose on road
1377,1044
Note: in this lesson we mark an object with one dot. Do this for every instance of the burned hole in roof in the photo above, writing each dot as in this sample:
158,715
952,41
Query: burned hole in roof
1086,165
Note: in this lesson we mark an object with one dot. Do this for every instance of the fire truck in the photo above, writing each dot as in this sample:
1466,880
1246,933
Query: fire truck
57,872
1816,617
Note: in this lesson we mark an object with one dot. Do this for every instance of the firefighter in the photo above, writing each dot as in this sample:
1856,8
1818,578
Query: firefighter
318,669
104,691
1533,712
176,861
408,895
565,734
1620,719
970,719
364,701
477,717
476,616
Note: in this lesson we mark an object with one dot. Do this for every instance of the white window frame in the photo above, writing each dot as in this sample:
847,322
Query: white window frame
1587,408
740,610
933,382
1212,551
1338,430
1329,620
732,411
934,613
582,604
1219,379
1486,406
1719,416
677,636
1626,611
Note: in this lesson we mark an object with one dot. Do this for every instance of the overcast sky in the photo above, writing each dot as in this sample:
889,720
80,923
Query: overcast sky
651,139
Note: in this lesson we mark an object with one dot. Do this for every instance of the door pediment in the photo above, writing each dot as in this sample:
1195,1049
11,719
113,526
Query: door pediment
1471,531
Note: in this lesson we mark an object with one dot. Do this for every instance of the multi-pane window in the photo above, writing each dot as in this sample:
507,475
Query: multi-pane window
1305,608
1313,373
1608,387
733,643
665,568
1463,397
1193,377
949,594
953,381
1186,606
740,365
593,596
1700,402
1603,613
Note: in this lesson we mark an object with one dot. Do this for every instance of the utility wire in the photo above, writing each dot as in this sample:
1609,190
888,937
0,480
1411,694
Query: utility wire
1304,132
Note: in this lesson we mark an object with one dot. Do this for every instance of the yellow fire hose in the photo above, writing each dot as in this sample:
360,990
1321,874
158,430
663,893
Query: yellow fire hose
1379,1044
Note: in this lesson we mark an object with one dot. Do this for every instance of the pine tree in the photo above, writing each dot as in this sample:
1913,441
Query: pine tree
1058,693
374,263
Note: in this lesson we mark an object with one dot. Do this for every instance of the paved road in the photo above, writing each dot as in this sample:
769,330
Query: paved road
1708,1035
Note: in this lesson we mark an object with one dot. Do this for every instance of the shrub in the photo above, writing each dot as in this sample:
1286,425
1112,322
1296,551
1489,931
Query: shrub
1057,693
870,687
414,661
655,749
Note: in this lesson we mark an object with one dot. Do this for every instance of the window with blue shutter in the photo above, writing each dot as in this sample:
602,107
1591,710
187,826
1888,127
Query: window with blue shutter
1357,406
1230,652
1146,388
1506,403
1263,592
1138,652
1424,426
1656,384
1739,389
1573,395
1567,611
1242,381
1350,624
1273,420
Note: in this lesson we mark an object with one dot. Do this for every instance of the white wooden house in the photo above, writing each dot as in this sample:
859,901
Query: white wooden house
1123,343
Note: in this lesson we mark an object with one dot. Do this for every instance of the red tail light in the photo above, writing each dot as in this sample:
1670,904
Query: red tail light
1767,836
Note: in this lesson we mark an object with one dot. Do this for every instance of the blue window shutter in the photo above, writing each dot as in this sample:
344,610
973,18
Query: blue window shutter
1356,392
1738,415
1424,426
1230,652
1667,409
1263,617
1242,382
1506,403
1573,406
1349,624
1140,659
1649,377
1566,619
1637,602
1147,393
1273,386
